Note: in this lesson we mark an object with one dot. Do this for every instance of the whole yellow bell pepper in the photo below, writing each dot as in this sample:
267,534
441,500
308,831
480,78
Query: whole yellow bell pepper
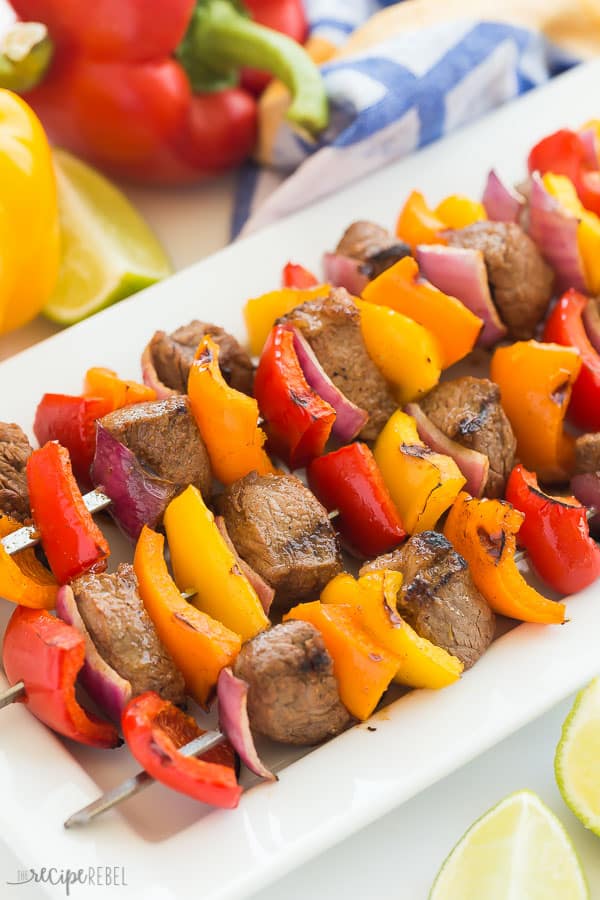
588,229
29,229
422,483
409,357
261,312
204,565
422,664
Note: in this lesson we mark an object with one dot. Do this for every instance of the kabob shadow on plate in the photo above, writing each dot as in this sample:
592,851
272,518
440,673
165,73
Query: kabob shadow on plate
293,647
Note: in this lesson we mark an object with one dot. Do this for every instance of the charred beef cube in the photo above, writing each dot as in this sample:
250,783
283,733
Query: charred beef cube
292,691
173,354
373,245
281,530
438,597
15,450
164,437
520,281
331,325
587,453
468,411
123,633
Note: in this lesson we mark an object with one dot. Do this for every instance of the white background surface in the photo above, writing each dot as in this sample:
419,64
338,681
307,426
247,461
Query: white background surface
399,855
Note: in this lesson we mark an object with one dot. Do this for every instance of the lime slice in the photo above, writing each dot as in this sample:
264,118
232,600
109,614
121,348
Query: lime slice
108,251
517,850
577,761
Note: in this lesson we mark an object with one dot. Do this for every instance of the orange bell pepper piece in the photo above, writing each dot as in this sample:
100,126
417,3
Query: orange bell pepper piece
260,313
118,392
484,532
535,382
422,664
226,419
422,483
455,327
200,646
23,579
362,667
458,211
418,223
204,564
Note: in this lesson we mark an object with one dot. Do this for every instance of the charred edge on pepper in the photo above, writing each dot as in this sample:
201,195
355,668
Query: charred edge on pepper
493,544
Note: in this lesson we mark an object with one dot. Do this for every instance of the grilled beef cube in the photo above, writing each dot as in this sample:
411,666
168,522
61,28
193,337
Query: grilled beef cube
15,450
438,597
373,245
292,691
123,633
164,437
468,411
173,354
331,325
587,453
520,281
281,530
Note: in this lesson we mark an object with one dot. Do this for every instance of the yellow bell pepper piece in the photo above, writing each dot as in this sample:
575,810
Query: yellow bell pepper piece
418,224
422,483
29,230
588,230
422,664
203,563
458,211
409,357
23,579
261,312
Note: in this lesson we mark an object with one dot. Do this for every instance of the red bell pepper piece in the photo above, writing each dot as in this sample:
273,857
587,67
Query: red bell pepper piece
349,480
72,422
564,153
298,421
287,16
155,729
72,541
295,276
46,654
565,326
555,534
148,89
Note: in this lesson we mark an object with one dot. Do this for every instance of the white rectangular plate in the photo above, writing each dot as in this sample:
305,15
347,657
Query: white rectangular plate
171,847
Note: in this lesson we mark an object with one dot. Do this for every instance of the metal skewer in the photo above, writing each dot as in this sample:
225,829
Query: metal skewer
137,783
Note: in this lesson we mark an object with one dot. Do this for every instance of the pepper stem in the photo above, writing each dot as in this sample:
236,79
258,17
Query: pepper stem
220,38
25,55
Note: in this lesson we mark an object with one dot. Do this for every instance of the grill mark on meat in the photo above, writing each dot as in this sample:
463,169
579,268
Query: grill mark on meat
373,246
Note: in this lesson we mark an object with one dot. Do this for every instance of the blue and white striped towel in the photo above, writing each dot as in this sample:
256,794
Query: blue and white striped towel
389,100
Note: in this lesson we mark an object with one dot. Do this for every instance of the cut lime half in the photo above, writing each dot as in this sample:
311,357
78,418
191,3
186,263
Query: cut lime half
519,850
577,761
108,250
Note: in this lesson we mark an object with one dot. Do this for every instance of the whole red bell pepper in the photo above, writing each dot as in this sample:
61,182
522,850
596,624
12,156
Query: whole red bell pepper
564,153
555,534
565,326
155,729
296,276
72,541
148,89
298,422
349,480
72,422
46,654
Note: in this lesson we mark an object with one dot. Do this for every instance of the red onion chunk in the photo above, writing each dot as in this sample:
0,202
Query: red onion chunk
344,271
474,465
232,694
586,487
349,418
591,321
461,272
502,203
265,592
103,684
138,497
589,139
150,376
554,230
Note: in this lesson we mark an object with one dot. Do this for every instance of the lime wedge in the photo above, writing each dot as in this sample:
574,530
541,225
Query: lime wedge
577,761
108,251
517,850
